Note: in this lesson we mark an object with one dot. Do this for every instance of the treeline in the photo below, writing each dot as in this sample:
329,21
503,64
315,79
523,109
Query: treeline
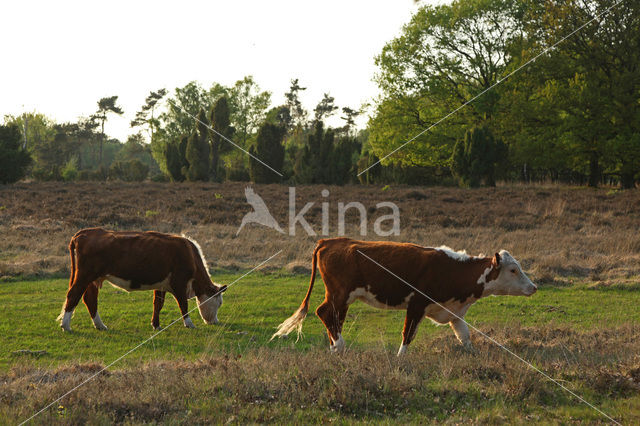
195,134
551,91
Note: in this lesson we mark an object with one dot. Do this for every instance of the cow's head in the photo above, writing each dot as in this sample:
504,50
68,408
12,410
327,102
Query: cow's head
511,280
209,302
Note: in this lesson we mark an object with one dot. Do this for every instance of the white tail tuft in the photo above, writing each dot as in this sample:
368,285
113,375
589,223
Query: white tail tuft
294,322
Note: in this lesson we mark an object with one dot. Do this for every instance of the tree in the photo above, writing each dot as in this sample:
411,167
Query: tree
474,159
174,158
35,128
197,151
219,117
146,115
325,108
106,106
349,117
297,112
14,160
598,86
248,105
445,56
270,150
136,149
313,162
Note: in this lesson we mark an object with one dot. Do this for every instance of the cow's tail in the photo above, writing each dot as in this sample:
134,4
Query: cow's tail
294,322
72,253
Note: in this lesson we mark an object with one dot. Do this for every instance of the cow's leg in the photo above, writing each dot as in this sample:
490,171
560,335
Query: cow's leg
77,287
461,330
415,313
333,313
90,299
183,304
158,302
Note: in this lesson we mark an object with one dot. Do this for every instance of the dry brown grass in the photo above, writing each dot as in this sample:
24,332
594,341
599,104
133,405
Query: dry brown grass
436,381
556,232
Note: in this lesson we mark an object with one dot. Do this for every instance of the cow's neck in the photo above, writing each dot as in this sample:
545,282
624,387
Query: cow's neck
484,272
201,286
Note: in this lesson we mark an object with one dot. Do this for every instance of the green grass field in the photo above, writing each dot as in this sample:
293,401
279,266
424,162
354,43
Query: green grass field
574,332
252,308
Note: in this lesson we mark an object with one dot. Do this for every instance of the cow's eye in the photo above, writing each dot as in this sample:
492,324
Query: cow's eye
513,271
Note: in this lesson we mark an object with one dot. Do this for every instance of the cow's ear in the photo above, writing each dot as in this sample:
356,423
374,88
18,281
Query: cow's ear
222,289
496,260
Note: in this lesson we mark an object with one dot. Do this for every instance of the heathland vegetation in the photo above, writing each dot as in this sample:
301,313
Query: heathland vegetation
569,114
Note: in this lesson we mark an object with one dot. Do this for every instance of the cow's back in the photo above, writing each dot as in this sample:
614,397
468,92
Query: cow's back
141,257
350,265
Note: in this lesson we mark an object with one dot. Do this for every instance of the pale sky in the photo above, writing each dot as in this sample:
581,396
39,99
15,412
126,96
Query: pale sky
60,57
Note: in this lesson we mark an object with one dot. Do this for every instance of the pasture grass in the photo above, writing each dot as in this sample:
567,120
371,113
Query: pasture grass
584,335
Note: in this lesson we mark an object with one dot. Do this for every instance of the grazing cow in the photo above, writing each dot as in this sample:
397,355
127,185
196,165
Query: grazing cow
355,270
136,261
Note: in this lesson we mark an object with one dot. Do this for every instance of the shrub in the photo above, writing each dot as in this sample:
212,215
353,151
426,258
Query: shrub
13,159
129,171
70,170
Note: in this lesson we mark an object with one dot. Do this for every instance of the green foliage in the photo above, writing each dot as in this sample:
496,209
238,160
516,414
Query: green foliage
105,106
270,150
14,160
146,115
475,158
70,170
129,171
197,152
174,154
248,106
136,149
444,57
312,164
219,117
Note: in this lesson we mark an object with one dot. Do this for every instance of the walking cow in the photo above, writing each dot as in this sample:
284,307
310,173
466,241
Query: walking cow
438,283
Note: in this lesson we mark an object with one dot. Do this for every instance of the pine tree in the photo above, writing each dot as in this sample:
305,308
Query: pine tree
221,123
270,150
197,151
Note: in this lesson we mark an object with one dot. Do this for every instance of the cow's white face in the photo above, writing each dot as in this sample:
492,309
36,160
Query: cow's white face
208,305
511,279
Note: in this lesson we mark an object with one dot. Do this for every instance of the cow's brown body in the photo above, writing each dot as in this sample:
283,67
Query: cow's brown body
137,261
396,276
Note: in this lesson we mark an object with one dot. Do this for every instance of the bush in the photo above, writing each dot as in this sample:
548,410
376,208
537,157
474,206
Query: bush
70,170
129,171
13,159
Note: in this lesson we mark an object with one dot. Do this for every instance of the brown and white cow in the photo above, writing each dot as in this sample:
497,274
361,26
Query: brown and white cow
364,270
136,261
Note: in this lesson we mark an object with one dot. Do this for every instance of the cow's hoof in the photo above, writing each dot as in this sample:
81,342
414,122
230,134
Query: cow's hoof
157,327
65,329
188,323
101,327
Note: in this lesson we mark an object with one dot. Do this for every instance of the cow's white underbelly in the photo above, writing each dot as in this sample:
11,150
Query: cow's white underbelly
126,284
454,309
162,285
365,295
